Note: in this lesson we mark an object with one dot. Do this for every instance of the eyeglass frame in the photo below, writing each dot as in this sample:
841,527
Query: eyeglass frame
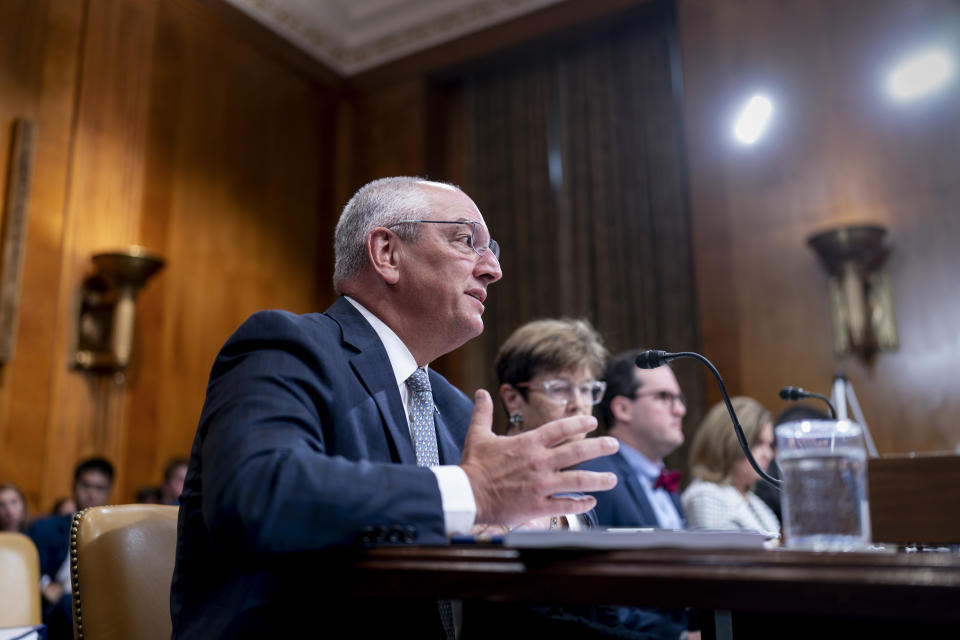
662,395
494,246
546,385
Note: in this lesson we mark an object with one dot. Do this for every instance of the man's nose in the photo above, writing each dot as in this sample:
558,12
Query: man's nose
488,266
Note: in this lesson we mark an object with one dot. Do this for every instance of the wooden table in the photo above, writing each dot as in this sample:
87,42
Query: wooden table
881,587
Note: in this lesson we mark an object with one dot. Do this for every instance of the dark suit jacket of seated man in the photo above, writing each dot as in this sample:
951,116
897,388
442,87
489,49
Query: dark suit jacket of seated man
303,446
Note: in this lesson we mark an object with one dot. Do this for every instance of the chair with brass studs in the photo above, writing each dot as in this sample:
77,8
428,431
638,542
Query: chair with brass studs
121,563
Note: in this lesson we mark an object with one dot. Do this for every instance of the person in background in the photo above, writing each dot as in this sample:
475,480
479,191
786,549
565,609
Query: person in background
63,507
148,495
721,494
764,490
92,485
174,474
13,509
547,370
643,409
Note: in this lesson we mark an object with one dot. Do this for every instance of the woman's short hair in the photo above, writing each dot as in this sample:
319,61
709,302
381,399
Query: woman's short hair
549,345
715,448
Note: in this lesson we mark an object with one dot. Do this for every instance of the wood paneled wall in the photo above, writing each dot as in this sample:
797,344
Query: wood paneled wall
838,151
158,127
165,124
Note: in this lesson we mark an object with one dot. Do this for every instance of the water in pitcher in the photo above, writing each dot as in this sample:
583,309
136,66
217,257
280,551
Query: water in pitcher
825,499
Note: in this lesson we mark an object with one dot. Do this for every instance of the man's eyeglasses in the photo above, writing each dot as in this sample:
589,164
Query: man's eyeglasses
667,398
479,239
561,391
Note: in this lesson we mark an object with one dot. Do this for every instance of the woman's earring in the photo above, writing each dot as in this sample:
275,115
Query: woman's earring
516,418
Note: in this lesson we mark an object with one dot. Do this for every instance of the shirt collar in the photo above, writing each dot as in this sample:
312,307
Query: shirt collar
641,464
401,360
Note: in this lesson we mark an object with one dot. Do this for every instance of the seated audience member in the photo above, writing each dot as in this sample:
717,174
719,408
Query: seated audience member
148,495
764,490
721,494
63,507
547,370
92,484
13,509
327,430
643,409
174,474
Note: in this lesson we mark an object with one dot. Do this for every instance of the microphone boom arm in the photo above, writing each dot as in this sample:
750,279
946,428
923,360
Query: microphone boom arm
741,438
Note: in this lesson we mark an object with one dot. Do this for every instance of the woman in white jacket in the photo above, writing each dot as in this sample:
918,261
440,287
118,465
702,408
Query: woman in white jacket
721,495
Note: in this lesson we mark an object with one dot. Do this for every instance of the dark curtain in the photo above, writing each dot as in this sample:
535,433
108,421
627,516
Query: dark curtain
575,159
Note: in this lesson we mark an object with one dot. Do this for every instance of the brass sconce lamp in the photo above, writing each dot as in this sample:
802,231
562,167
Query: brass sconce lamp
861,302
104,333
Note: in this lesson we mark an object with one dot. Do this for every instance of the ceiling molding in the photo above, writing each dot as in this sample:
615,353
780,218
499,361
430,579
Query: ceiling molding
352,36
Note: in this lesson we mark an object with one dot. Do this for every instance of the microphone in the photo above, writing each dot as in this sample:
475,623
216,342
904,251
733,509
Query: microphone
652,358
796,393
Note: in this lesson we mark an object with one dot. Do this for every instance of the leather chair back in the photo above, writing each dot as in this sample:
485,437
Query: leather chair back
19,581
122,561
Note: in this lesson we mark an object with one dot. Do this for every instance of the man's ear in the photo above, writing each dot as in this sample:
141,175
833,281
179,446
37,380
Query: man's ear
622,408
383,252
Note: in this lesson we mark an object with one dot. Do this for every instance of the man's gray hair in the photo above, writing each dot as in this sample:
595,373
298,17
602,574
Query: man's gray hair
376,204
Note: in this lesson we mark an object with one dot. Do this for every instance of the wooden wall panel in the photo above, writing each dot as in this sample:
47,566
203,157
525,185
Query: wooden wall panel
39,51
177,135
838,151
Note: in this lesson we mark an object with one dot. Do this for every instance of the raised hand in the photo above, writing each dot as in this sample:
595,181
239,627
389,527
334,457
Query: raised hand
516,479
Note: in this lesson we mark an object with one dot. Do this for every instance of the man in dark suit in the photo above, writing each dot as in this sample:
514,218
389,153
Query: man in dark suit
644,410
304,445
92,485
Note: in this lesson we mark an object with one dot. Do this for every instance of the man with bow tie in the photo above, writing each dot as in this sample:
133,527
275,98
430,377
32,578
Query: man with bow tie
643,409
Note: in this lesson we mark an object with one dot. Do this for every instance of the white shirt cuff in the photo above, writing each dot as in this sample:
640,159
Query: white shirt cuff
456,496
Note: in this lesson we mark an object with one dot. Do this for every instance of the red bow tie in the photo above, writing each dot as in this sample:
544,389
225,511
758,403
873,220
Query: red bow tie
669,480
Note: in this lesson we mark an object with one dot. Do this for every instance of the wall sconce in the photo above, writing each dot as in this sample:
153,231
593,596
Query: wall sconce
861,302
104,335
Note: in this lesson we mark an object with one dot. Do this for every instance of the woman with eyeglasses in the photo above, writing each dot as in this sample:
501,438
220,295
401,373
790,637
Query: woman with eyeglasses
721,495
547,370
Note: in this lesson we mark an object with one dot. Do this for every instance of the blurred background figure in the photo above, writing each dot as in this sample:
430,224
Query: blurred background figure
148,495
13,509
174,474
547,370
644,410
766,492
92,486
63,507
721,494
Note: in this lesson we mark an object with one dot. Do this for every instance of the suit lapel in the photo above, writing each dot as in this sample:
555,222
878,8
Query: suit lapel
639,496
449,451
373,369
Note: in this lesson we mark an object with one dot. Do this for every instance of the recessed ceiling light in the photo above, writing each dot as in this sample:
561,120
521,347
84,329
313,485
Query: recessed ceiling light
920,74
753,119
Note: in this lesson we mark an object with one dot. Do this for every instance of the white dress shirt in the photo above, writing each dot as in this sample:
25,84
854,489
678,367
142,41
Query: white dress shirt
456,494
